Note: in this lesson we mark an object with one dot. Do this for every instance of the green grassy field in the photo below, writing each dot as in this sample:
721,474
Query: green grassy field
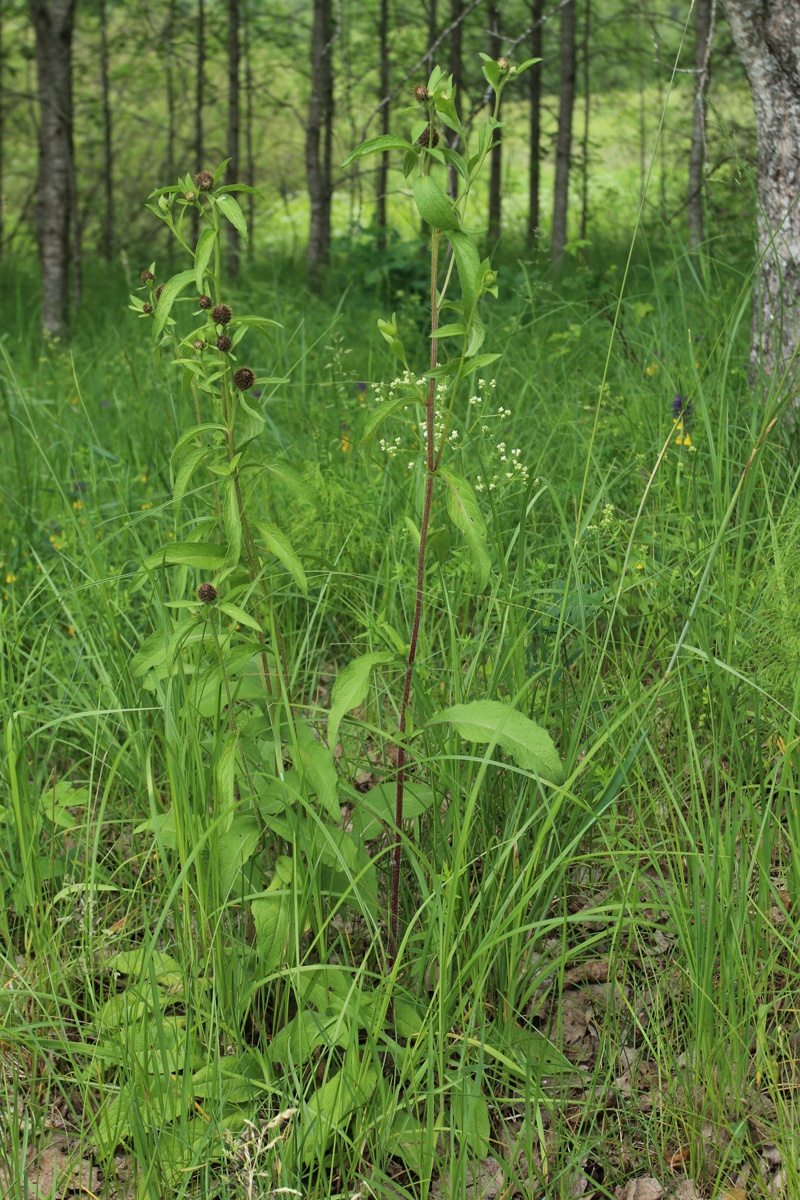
595,981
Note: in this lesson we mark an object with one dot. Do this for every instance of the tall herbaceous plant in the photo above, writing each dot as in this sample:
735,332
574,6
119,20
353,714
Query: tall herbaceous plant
279,857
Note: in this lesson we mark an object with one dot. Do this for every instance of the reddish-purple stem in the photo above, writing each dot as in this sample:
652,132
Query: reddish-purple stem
394,906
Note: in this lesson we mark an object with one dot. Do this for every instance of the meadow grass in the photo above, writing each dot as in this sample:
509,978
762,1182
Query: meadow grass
597,979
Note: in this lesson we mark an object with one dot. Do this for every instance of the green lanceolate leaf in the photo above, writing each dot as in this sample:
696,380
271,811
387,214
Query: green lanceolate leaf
377,145
433,205
384,410
468,263
377,807
234,847
172,289
316,765
271,914
278,544
202,256
464,511
496,723
351,687
225,775
232,212
208,556
232,520
190,461
294,481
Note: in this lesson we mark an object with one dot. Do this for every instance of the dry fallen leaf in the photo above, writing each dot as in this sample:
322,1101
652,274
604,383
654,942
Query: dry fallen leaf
641,1189
734,1193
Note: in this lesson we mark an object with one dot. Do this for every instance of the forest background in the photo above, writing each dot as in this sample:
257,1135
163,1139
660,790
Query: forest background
570,969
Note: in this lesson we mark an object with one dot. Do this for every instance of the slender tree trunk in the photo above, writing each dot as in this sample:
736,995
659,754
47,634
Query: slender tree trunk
232,171
250,169
566,104
170,168
697,150
496,163
585,52
107,242
53,25
2,137
382,183
319,138
457,71
535,135
200,70
767,37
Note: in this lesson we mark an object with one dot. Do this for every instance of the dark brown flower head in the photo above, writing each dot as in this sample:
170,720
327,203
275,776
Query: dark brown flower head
224,343
424,138
207,593
199,344
203,181
148,308
204,301
221,314
244,379
503,63
147,276
421,93
159,290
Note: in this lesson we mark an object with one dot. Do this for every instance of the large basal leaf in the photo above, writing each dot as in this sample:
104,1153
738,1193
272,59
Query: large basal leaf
433,204
271,913
464,511
317,767
376,808
491,721
351,687
471,1115
332,1106
234,847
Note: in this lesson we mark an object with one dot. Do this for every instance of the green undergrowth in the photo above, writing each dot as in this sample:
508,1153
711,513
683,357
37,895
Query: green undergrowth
663,874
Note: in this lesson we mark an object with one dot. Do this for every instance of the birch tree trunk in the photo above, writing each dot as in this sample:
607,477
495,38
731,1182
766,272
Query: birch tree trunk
566,105
319,136
767,36
697,149
53,24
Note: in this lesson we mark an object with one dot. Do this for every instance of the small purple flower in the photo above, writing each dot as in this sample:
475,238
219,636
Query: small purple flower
361,387
681,408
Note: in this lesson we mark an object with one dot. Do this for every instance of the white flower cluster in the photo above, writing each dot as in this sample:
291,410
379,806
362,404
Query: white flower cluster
508,468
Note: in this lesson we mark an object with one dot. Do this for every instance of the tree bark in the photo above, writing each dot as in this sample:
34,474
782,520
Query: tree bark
319,139
535,133
2,136
107,239
585,55
382,182
697,148
456,70
232,170
200,70
53,26
767,36
566,105
250,167
496,162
